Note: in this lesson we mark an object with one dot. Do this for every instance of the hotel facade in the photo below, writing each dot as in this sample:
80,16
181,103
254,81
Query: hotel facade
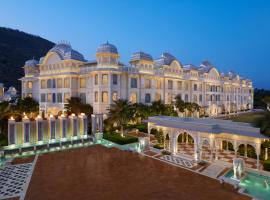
63,73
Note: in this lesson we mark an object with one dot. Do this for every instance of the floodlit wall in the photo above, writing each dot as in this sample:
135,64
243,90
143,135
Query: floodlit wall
46,130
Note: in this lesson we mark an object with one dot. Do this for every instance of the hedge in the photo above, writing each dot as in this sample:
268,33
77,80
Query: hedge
117,138
266,165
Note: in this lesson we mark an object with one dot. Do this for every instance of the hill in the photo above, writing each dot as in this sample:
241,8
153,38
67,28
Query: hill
15,48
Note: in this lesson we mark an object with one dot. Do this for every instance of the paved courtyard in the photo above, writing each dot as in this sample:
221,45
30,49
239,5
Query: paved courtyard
97,172
223,155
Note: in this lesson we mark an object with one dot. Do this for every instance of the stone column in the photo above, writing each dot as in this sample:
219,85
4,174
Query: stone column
245,150
11,131
63,125
173,145
258,152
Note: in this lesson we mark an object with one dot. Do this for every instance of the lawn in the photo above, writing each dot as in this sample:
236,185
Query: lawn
247,117
116,138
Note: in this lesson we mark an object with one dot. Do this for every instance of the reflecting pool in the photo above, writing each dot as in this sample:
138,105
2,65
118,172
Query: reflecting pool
254,184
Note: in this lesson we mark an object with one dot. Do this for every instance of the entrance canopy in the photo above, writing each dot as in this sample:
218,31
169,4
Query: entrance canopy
207,125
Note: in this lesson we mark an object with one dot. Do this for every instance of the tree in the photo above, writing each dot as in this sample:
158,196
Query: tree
28,106
264,123
179,103
160,137
121,112
76,106
141,111
157,108
266,100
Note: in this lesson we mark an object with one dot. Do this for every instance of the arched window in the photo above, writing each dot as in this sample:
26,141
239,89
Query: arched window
104,97
114,96
133,97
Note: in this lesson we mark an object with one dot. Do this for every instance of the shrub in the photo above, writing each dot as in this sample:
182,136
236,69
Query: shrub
3,140
266,165
158,146
166,152
116,138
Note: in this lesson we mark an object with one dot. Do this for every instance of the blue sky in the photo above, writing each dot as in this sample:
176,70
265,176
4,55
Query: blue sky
232,35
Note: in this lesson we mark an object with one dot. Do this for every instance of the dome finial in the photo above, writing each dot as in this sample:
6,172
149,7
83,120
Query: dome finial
107,42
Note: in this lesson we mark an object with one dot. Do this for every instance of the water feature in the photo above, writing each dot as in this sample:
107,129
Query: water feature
254,184
238,168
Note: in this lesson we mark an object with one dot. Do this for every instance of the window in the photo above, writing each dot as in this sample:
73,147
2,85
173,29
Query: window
186,98
29,84
179,85
42,97
66,82
200,98
53,83
83,97
147,83
49,97
114,76
170,84
147,98
158,84
195,98
195,87
53,98
59,97
96,79
104,97
186,86
157,97
59,83
114,96
82,82
169,97
43,84
66,97
49,83
96,96
104,79
133,83
133,97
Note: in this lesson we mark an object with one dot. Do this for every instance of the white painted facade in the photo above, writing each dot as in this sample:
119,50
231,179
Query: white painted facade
63,73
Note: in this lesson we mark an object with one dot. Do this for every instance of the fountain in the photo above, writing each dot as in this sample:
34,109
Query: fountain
238,168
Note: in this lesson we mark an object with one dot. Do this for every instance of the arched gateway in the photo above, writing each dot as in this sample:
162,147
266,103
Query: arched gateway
204,139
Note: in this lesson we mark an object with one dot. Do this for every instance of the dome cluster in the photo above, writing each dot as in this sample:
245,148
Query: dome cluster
31,63
107,48
65,51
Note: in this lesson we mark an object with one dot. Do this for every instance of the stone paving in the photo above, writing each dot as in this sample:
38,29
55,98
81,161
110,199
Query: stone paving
13,179
179,161
223,155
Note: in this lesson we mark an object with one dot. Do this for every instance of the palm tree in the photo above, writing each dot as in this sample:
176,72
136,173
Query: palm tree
141,111
121,112
157,108
179,103
75,105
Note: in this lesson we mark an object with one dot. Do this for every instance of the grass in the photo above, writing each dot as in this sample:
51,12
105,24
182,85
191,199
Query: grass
247,117
118,139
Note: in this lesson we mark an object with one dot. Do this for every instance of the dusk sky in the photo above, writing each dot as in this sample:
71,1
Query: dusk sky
232,35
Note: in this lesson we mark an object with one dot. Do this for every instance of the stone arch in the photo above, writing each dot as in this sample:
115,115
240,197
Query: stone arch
52,58
228,145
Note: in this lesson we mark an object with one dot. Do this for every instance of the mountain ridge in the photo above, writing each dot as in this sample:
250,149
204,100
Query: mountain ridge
15,48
